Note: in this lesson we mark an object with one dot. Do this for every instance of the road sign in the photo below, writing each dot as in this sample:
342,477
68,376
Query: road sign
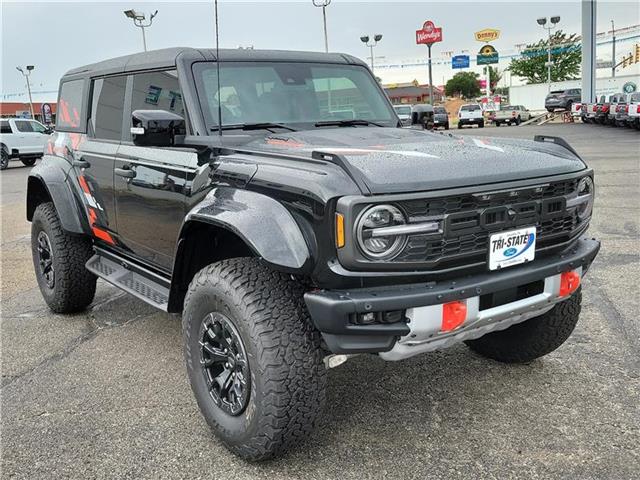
487,55
460,61
429,34
487,35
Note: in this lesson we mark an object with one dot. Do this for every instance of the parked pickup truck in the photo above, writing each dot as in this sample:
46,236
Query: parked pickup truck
22,139
291,238
511,115
470,114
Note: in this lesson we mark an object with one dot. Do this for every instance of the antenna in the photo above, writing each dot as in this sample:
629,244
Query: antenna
218,71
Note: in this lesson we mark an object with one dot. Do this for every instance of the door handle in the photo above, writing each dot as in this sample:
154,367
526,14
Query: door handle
125,172
81,163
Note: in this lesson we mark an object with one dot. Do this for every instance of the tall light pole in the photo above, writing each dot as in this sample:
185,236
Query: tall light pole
139,21
26,76
376,38
324,4
543,22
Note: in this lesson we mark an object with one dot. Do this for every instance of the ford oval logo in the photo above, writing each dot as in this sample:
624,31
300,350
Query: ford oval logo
510,252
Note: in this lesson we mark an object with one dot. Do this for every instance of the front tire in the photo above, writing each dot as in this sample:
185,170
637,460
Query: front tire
28,162
284,379
531,339
59,260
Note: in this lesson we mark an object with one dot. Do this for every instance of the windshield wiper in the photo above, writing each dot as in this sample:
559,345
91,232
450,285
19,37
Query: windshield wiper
254,126
346,123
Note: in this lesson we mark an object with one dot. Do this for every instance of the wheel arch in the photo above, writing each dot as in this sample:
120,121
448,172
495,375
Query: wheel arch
231,223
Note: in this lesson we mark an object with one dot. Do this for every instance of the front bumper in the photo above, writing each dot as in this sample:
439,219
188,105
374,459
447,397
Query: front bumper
332,311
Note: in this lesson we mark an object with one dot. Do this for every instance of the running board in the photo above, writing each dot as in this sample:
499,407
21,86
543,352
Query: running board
139,282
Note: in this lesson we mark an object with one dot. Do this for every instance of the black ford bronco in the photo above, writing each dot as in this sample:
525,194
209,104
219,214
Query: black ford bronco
273,200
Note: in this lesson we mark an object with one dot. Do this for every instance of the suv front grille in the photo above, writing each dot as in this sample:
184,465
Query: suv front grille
468,220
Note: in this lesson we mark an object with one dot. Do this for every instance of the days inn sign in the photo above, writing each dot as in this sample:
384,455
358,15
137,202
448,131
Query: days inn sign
487,35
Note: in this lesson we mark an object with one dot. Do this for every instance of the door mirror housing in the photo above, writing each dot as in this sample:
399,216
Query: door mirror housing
156,128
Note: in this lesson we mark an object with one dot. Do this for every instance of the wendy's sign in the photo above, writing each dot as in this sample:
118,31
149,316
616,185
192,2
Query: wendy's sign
429,34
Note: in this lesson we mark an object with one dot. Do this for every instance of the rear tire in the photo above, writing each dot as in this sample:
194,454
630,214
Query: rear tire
446,126
459,126
4,159
59,260
284,383
481,125
538,336
29,162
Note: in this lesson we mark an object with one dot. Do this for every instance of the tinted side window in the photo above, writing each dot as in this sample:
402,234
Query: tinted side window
37,127
5,127
70,115
107,105
24,126
156,91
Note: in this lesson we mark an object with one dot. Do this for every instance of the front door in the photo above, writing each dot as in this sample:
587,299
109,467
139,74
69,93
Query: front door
150,181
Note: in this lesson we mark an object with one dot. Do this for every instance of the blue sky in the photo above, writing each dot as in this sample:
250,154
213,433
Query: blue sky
56,36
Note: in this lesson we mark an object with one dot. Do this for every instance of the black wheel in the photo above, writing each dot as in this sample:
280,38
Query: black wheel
59,259
526,341
29,162
518,121
498,124
253,356
4,159
459,125
481,125
446,126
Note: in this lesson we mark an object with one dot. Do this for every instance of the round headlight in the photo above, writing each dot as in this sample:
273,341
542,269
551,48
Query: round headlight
371,235
586,194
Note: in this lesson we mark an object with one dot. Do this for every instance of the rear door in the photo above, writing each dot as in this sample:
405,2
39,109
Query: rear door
96,156
150,181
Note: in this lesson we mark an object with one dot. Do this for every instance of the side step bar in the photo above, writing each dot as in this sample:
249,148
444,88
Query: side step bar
139,282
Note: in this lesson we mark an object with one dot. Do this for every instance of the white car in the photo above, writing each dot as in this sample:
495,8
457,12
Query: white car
404,113
511,115
470,114
22,139
633,114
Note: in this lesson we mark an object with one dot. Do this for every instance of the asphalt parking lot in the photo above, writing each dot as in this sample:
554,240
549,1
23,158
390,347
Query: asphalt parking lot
104,394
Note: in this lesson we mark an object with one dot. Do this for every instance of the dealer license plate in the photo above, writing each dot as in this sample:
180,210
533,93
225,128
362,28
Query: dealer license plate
507,249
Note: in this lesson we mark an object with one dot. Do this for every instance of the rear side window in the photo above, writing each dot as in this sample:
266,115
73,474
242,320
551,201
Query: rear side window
70,107
5,127
107,105
23,126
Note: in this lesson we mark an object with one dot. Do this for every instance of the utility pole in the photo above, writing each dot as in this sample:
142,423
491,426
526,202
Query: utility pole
589,11
324,4
613,49
26,76
139,21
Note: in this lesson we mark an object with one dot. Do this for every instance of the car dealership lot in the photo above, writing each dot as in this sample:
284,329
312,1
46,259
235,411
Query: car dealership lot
104,393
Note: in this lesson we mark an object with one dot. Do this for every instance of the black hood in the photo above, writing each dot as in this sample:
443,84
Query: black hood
393,160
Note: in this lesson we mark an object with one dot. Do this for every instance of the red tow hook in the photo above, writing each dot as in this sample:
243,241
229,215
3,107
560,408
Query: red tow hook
569,283
453,315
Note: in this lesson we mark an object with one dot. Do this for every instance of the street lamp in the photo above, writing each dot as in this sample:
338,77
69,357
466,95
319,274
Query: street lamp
139,21
26,76
324,4
543,22
376,38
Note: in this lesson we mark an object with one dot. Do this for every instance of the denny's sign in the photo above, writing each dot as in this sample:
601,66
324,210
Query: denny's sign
429,34
487,35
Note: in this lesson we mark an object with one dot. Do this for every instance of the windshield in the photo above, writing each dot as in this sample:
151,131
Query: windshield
403,109
470,108
293,94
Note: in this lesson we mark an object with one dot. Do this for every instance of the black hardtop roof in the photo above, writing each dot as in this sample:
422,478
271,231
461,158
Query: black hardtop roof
167,57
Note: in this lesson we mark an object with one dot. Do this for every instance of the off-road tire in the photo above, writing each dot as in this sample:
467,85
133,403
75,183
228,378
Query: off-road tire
287,374
4,158
538,336
28,162
74,286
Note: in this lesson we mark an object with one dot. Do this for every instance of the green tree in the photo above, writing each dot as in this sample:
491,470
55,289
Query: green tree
495,75
565,55
463,83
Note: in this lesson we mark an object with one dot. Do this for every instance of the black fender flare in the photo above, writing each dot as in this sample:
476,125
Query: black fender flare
263,223
51,177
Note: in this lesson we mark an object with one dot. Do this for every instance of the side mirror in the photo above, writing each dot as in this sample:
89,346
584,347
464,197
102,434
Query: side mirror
156,128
